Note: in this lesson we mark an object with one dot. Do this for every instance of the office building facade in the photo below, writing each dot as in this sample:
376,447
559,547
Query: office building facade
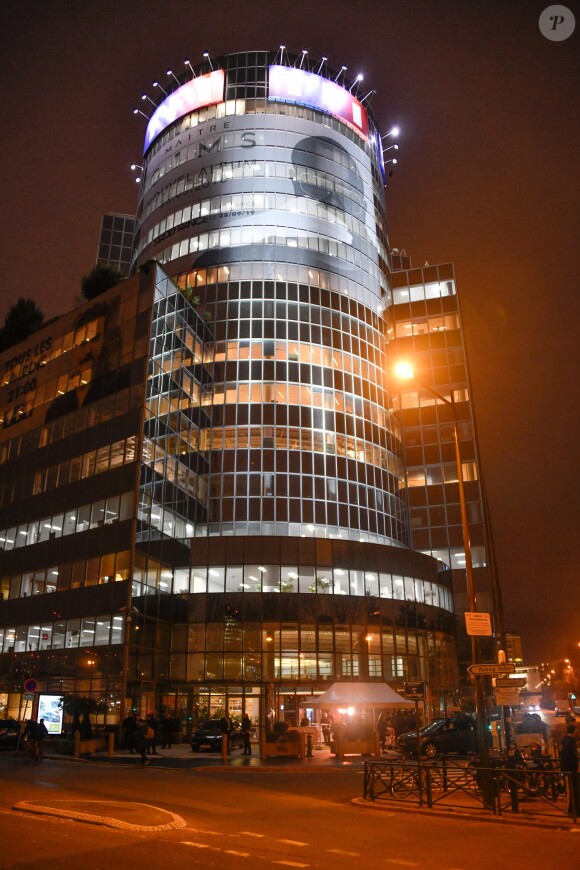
259,546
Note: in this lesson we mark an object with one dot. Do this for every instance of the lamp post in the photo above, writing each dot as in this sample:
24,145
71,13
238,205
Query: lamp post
404,371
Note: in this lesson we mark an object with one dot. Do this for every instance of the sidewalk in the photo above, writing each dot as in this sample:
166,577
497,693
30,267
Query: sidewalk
181,756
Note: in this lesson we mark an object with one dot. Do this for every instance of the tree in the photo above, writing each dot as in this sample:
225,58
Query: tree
77,706
99,279
23,318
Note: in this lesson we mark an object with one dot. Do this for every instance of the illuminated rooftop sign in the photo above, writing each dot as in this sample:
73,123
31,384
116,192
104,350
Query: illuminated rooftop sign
202,91
299,86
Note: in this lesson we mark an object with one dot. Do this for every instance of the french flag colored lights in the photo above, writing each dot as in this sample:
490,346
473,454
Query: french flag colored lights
202,91
299,86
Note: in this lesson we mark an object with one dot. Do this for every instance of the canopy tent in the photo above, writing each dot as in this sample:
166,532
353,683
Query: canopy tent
370,695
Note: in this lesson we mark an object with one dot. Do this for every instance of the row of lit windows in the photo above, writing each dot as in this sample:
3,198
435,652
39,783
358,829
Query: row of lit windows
162,519
303,667
232,204
445,473
64,634
387,531
302,395
80,467
108,568
89,516
370,368
365,326
274,137
323,302
34,394
73,423
292,438
174,471
421,292
424,326
168,320
293,273
273,234
292,637
424,399
309,580
298,486
50,349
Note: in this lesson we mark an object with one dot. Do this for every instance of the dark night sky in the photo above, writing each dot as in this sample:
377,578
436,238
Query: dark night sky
487,177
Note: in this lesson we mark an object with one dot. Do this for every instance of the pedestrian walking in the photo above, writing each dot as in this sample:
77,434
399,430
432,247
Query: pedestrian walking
246,734
141,740
153,724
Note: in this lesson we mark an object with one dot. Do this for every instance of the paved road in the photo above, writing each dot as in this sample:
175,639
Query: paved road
235,819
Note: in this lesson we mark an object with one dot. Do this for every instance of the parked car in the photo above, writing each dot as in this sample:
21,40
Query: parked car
209,736
440,737
9,731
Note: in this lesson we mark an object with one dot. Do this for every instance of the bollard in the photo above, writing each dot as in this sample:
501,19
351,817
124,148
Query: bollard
225,739
110,744
309,746
77,744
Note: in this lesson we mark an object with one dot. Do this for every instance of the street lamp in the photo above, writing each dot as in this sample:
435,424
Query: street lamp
404,372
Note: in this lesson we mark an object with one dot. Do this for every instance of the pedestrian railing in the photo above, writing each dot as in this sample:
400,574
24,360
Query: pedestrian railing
464,785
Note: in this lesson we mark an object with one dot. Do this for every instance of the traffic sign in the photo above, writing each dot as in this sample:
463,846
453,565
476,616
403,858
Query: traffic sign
414,691
30,685
28,696
478,624
507,697
491,670
510,682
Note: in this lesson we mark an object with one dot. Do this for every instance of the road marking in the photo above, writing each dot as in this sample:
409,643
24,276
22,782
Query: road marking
239,854
292,842
250,834
199,845
341,852
202,831
291,864
402,863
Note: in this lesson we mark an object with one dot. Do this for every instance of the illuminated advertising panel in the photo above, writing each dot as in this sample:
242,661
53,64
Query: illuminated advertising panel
299,86
50,710
199,92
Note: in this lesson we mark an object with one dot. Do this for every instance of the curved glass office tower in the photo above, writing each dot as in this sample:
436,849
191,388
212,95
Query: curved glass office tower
267,207
262,195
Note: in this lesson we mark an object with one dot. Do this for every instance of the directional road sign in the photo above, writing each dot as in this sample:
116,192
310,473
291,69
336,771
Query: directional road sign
491,670
510,682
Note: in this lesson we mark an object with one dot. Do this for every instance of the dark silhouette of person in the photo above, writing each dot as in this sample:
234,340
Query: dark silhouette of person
130,725
246,734
166,728
153,724
569,764
141,740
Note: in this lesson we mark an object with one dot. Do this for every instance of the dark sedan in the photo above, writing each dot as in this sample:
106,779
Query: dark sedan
440,737
209,736
9,731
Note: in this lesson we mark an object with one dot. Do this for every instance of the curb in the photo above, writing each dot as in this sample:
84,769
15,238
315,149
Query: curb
528,822
105,821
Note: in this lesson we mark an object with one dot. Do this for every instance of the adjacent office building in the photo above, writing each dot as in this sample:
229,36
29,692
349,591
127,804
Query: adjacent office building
212,493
